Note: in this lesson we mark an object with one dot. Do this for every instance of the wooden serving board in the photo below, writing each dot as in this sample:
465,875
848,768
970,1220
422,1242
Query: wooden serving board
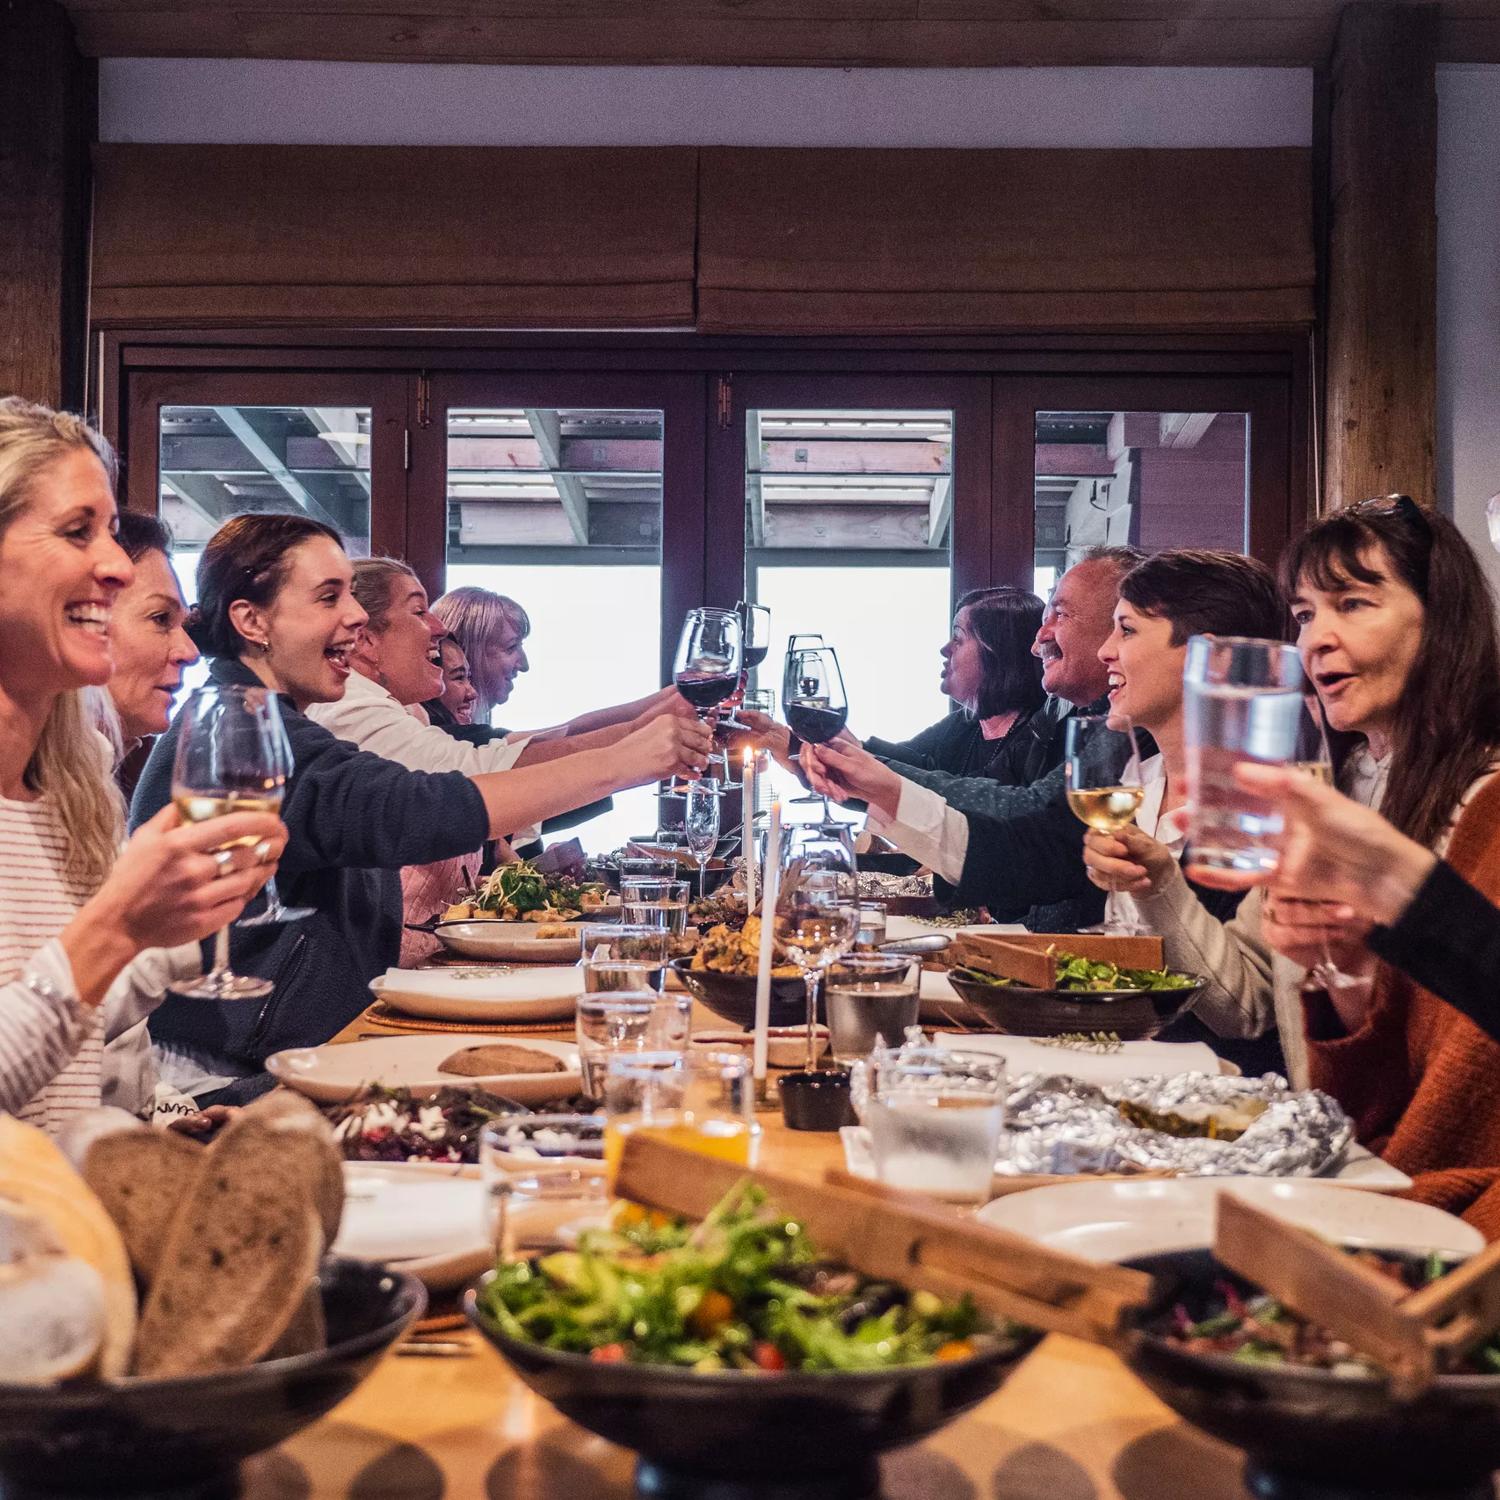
1030,958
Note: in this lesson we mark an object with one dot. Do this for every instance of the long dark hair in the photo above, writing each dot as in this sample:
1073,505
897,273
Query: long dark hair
1447,722
246,558
1004,622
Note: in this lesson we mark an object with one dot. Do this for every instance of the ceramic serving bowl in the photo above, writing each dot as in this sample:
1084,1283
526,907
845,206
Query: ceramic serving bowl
1312,1434
188,1435
734,1433
732,996
1132,1015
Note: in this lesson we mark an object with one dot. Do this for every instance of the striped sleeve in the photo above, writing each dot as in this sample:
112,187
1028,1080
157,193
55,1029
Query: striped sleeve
43,1024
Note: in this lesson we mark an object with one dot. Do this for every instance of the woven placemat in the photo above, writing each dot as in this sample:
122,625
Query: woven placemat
387,1019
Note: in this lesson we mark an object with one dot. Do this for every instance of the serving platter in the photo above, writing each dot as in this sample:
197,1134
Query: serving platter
335,1071
502,996
511,942
1119,1219
430,1224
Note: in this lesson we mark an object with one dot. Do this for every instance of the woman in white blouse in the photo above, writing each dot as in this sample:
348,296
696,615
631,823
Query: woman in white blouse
80,918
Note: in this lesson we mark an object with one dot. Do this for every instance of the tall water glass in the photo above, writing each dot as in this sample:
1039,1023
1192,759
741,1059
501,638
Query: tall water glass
655,903
934,1118
702,1100
870,998
624,1021
1242,701
623,956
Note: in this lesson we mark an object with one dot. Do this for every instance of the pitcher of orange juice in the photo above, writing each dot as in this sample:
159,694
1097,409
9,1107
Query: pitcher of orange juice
704,1101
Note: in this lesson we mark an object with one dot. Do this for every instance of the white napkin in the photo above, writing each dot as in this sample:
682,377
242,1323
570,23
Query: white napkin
530,983
1133,1060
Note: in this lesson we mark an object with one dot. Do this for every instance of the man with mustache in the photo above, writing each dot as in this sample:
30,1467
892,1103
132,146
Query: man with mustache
935,817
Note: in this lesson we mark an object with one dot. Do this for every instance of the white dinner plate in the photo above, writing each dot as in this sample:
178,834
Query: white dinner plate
508,942
1121,1220
494,995
331,1074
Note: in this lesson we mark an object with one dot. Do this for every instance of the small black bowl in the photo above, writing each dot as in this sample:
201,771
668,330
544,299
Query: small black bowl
733,1434
816,1101
732,996
1309,1433
1132,1015
188,1435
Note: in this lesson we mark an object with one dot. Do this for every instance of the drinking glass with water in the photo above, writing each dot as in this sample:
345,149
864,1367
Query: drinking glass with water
623,956
1242,701
934,1118
870,999
655,903
617,1023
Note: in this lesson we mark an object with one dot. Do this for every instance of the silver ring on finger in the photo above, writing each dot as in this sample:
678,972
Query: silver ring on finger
223,862
263,852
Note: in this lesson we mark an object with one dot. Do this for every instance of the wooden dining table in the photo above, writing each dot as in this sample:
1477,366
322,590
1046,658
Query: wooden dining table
1072,1423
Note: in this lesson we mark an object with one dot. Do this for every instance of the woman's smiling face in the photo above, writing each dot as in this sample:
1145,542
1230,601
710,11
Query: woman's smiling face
61,573
1145,669
1358,642
150,647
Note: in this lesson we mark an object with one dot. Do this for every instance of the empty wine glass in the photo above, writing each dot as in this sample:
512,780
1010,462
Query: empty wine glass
280,748
817,911
813,700
700,826
1103,779
226,763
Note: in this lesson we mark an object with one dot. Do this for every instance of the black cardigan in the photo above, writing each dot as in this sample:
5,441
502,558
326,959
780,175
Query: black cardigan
354,820
955,744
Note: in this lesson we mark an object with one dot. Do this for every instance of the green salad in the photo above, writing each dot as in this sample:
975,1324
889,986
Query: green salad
1075,973
515,889
743,1290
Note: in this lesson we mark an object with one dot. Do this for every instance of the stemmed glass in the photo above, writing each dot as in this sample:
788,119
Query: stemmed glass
280,748
700,826
226,762
1103,779
707,669
813,700
817,911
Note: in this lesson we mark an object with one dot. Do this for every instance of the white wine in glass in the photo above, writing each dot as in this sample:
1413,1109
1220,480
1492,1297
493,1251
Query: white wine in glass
1106,808
1102,775
226,763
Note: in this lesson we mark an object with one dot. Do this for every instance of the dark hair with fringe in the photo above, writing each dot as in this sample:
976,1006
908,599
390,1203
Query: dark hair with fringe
246,558
1447,722
1207,593
1004,622
139,534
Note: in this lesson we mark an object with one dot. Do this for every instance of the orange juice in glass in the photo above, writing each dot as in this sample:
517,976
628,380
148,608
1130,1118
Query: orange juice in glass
704,1101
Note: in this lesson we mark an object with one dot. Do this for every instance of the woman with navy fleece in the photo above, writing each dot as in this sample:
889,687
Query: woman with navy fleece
275,608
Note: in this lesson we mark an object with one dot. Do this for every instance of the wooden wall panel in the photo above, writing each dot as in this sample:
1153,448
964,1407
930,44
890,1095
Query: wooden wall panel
1380,432
47,119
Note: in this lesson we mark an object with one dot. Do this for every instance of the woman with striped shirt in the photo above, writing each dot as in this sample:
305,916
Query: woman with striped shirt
82,919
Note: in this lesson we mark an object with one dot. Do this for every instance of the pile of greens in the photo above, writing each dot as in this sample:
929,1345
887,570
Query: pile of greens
742,1291
1075,973
522,887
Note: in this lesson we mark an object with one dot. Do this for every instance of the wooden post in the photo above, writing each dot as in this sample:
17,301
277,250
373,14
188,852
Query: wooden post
48,120
1381,404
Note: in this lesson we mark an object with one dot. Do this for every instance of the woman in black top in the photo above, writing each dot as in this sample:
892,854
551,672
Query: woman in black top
990,673
275,608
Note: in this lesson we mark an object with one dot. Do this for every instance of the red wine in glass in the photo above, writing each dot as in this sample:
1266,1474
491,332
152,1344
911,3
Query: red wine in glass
705,689
815,723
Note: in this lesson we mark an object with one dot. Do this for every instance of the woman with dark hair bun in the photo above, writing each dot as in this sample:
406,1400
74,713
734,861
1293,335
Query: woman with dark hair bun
277,608
990,673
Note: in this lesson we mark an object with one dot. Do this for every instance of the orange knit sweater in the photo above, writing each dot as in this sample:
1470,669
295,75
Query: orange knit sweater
1420,1081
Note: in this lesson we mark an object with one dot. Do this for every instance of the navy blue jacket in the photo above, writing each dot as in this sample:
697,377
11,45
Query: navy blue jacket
354,820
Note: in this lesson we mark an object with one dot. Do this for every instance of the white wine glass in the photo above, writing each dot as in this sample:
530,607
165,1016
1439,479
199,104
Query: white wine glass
700,825
225,763
1102,774
817,909
280,749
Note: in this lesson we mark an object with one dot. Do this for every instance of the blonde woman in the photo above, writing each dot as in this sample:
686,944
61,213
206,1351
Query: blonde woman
80,918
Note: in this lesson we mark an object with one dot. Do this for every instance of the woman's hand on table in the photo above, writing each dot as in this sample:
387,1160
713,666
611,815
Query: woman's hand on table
845,771
668,746
1129,861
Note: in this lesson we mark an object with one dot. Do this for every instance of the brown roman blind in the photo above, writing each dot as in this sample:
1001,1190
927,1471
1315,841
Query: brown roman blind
888,241
394,236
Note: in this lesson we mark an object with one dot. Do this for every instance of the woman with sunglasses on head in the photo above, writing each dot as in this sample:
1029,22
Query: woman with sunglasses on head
86,926
276,607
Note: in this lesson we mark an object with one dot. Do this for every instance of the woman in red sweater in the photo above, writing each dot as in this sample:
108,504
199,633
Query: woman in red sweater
1396,628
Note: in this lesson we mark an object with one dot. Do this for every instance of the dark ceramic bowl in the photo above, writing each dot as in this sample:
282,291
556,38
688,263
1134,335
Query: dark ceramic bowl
1133,1015
154,1437
732,996
1310,1433
735,1433
816,1101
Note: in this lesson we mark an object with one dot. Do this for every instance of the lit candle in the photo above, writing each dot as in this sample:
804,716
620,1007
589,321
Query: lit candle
747,832
767,926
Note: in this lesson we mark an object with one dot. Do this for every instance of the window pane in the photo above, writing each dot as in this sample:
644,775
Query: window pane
848,525
1152,479
221,461
560,510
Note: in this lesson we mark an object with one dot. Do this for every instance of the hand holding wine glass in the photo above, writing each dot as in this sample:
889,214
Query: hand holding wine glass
279,754
1102,774
707,669
813,698
817,908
